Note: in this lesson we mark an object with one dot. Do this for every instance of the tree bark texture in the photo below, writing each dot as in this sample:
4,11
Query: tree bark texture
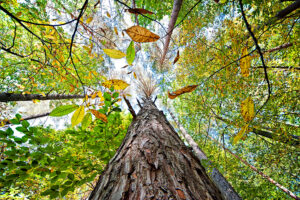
6,97
219,180
154,163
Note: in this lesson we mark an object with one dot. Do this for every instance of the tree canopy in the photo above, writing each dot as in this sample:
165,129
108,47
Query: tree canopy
230,74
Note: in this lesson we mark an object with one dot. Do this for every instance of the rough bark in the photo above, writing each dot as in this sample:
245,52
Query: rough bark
6,97
220,181
154,163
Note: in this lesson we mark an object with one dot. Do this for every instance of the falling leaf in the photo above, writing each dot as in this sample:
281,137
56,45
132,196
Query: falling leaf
130,53
125,66
177,58
129,72
108,15
134,75
247,109
245,63
99,115
86,120
89,20
72,88
186,89
240,134
118,84
77,116
113,53
138,11
140,34
116,30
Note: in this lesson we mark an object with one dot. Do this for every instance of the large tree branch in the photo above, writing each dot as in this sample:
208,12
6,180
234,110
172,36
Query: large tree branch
288,10
290,140
6,97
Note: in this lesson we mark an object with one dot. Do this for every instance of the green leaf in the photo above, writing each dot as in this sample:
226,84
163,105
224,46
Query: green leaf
63,110
86,120
14,121
77,116
71,176
115,95
25,124
130,54
18,117
21,129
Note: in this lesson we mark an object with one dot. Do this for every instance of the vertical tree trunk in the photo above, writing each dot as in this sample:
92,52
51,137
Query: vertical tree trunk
153,163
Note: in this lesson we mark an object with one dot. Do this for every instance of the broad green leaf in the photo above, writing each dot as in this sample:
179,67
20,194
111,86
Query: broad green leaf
130,53
63,110
86,120
114,53
77,116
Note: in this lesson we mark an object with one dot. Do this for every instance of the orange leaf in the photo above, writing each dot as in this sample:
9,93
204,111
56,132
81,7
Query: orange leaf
140,34
138,11
177,58
186,89
99,115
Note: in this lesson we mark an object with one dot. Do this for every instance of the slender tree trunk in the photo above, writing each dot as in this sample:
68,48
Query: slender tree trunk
220,181
176,8
281,187
154,163
6,97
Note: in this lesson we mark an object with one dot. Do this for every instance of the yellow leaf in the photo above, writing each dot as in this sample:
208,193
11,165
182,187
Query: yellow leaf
247,109
134,75
240,134
186,89
35,101
113,53
99,93
140,34
99,115
89,20
77,116
108,15
116,30
118,84
94,95
245,63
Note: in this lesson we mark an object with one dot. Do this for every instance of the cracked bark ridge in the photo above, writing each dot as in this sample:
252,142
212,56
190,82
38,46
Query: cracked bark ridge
154,163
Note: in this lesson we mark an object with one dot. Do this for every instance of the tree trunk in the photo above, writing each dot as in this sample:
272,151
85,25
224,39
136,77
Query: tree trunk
154,163
6,97
219,180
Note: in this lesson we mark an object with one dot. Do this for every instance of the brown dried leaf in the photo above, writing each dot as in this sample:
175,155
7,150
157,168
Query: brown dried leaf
99,115
186,89
140,34
138,11
125,66
177,58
